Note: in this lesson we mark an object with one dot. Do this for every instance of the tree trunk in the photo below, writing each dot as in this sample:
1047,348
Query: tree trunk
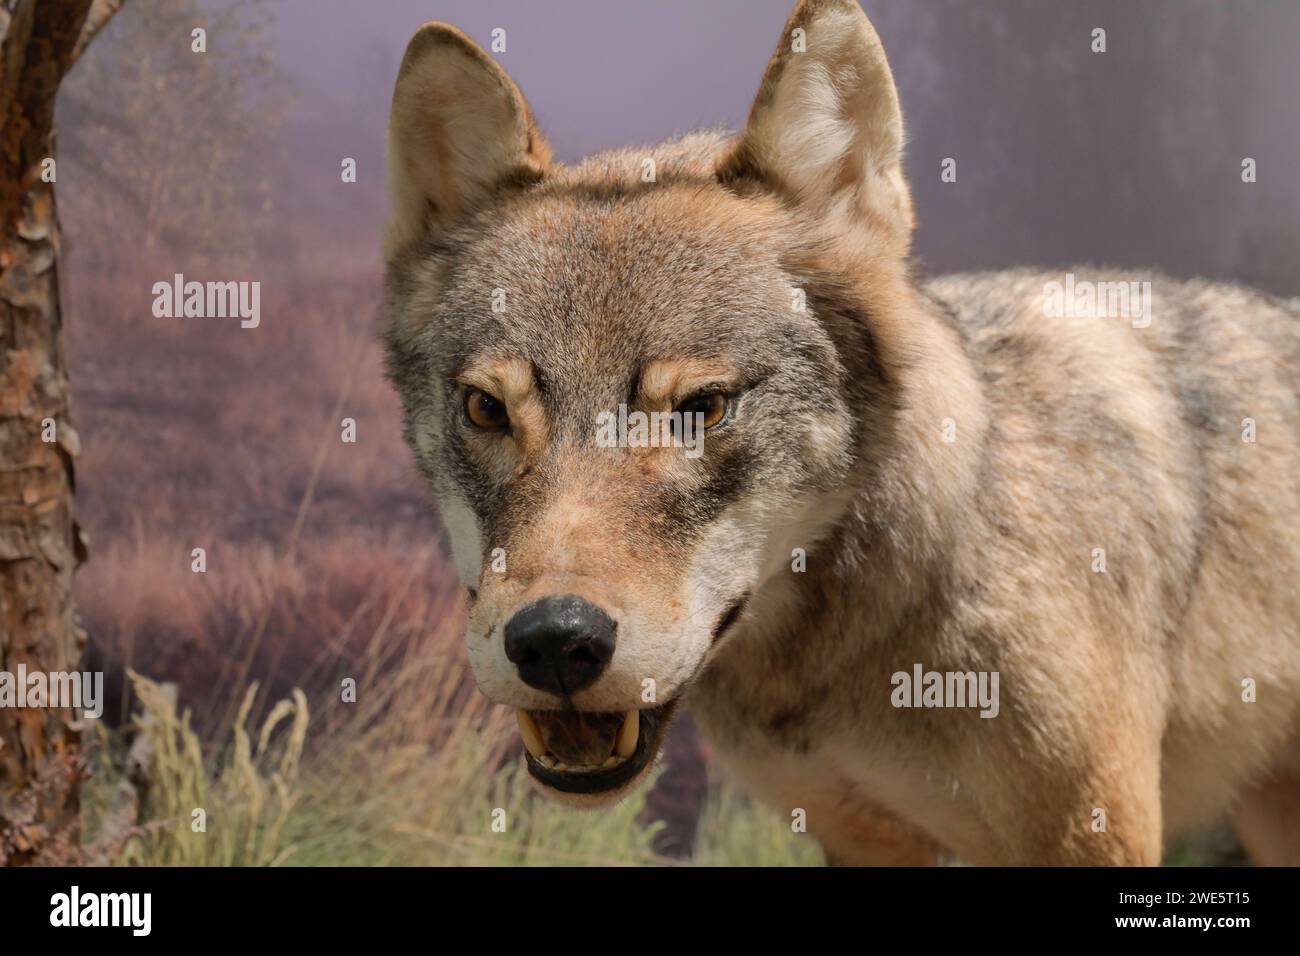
39,542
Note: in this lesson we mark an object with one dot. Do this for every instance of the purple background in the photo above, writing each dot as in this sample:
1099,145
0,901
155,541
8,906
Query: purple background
1131,157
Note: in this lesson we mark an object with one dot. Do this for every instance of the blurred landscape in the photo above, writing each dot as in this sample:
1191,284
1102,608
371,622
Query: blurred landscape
324,560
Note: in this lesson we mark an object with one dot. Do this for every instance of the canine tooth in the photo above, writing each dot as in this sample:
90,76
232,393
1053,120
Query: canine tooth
530,733
625,745
611,762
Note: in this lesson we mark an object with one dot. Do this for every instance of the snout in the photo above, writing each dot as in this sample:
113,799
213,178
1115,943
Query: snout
560,644
594,668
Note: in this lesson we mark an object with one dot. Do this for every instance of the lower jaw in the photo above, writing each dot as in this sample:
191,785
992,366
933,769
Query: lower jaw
612,776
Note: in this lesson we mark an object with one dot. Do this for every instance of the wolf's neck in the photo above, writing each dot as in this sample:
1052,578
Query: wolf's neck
927,482
891,536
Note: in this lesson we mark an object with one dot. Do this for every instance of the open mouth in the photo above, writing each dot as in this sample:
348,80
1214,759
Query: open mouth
576,751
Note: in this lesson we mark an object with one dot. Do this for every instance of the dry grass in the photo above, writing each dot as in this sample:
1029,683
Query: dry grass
231,814
420,772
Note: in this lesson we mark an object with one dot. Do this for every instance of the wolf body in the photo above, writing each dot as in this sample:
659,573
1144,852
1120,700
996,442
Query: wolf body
956,475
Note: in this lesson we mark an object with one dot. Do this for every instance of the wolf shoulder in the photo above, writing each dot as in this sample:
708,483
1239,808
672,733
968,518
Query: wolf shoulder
1220,345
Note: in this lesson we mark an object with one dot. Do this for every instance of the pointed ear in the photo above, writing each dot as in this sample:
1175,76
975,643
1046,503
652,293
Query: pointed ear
826,128
458,130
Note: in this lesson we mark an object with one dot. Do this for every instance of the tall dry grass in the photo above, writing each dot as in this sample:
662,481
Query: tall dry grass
420,770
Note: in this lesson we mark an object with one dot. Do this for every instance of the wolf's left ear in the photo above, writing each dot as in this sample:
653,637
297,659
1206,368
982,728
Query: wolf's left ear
826,128
459,128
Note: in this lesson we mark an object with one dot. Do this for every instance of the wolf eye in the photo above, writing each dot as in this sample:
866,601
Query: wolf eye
713,406
485,411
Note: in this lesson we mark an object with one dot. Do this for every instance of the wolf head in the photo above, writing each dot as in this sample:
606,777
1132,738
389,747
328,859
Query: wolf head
637,385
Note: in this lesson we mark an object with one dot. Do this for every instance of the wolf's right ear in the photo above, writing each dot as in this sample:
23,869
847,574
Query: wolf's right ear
459,128
826,128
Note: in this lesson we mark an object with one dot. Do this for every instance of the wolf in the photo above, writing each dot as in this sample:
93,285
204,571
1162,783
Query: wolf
898,476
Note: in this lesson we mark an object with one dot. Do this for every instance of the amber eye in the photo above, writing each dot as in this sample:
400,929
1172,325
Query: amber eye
712,406
484,411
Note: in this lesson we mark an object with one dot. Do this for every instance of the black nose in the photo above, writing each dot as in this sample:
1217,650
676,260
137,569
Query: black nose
560,644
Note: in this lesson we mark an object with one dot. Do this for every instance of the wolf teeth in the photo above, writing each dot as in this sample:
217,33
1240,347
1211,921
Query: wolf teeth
629,733
625,745
529,731
550,763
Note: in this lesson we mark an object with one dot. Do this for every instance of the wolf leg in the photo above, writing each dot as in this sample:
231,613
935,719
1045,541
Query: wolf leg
1268,821
877,839
1095,807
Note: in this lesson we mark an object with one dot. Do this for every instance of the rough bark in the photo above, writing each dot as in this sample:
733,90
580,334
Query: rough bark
39,542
